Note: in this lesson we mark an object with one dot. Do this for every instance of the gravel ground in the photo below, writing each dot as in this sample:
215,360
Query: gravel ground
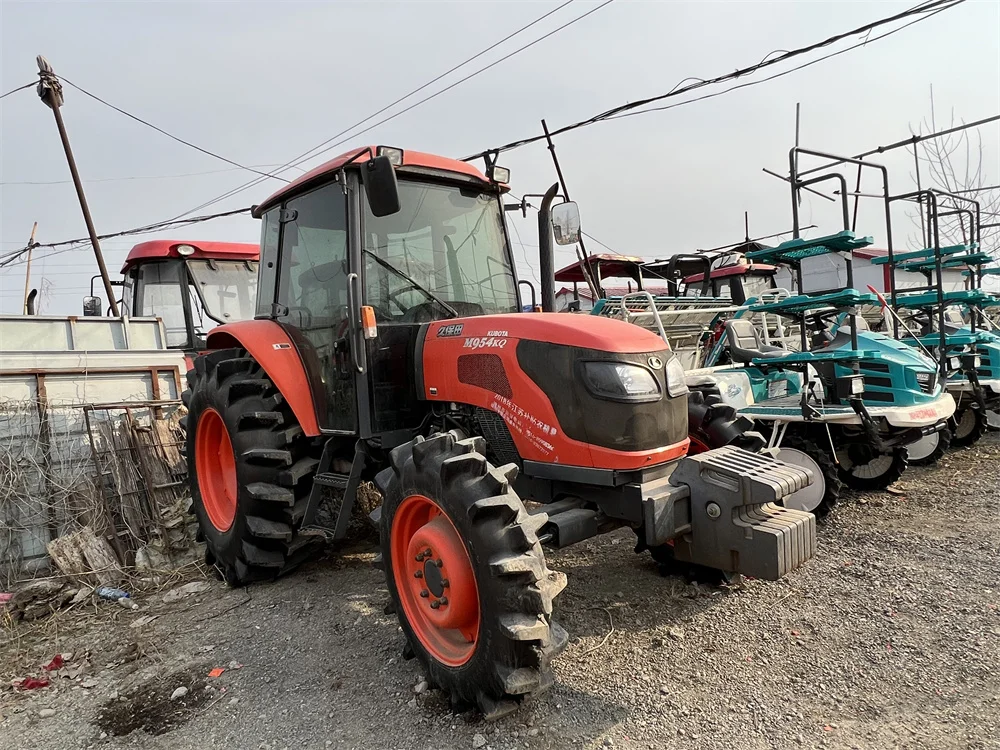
890,637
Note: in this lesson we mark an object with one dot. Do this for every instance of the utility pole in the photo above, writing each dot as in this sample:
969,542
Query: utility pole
50,92
27,271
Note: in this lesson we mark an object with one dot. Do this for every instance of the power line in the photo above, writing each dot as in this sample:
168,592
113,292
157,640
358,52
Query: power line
9,258
19,88
926,9
136,177
169,135
323,147
864,43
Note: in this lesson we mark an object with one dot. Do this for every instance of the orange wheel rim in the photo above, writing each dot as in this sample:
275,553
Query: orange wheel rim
435,581
215,463
697,446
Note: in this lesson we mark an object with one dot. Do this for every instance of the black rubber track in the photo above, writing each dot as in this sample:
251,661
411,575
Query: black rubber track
715,424
944,442
827,467
275,464
974,432
517,637
876,484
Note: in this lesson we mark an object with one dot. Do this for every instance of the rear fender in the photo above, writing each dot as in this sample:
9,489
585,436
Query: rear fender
269,344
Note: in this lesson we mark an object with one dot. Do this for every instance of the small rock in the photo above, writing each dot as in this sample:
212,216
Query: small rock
420,687
179,693
478,741
676,633
664,690
46,713
104,736
88,683
233,701
533,732
412,703
608,742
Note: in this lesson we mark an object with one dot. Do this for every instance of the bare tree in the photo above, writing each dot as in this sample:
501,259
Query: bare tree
954,163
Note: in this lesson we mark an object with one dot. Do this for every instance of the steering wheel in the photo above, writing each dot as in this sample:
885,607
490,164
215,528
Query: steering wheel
392,296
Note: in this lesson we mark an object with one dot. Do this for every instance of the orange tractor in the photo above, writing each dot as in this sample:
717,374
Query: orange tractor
389,344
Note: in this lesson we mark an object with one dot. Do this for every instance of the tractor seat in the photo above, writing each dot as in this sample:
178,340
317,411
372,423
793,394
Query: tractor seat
745,344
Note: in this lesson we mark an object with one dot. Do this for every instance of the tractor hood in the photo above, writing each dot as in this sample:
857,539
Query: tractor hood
566,329
559,387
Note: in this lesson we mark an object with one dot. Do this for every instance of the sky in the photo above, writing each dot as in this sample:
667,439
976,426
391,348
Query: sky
261,82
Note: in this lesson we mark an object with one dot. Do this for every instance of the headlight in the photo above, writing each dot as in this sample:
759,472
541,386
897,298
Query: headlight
618,381
954,363
675,378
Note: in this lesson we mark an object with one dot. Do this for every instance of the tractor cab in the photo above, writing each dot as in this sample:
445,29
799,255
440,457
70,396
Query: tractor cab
191,286
734,279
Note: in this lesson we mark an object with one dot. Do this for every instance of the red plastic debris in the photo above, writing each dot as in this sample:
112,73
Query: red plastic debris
56,663
217,672
794,632
4,598
32,683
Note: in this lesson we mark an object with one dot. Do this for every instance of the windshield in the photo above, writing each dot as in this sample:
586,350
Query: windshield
443,254
228,287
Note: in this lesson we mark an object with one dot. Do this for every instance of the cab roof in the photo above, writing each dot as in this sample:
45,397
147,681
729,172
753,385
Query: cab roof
410,159
163,249
735,270
608,267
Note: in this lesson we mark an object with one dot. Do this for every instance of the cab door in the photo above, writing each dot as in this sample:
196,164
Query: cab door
312,299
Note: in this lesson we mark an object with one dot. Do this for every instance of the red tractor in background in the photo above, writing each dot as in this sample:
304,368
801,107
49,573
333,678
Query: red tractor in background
389,344
191,286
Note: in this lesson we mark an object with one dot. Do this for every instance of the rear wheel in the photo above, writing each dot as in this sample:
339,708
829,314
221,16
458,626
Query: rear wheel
466,573
250,469
820,497
862,469
970,424
929,449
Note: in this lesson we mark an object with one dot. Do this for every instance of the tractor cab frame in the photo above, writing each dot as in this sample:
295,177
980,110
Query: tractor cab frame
191,286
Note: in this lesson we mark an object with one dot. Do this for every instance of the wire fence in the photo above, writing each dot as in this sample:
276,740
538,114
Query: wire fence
114,468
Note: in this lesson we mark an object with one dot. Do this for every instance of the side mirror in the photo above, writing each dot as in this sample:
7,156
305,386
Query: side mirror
566,223
92,306
379,179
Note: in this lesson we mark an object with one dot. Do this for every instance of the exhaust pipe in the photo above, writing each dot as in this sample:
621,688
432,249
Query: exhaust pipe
546,259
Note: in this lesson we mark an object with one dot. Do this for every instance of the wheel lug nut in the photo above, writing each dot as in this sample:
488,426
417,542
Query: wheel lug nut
420,557
435,604
445,583
418,574
424,594
443,600
439,563
427,552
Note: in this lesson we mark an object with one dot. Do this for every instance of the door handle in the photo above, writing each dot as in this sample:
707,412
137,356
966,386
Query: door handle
356,334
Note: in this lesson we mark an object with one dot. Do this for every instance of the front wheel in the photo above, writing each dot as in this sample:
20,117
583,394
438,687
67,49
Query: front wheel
821,495
928,450
466,573
970,424
864,470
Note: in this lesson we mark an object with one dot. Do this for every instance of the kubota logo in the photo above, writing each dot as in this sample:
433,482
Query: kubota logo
485,342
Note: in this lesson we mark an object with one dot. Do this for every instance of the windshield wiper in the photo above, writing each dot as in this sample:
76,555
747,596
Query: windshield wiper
406,277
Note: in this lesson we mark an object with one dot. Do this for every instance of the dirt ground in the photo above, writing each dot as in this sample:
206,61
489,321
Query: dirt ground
889,638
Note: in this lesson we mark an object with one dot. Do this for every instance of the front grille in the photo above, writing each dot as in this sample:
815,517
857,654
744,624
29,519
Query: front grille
929,383
875,366
878,396
500,445
484,371
877,380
